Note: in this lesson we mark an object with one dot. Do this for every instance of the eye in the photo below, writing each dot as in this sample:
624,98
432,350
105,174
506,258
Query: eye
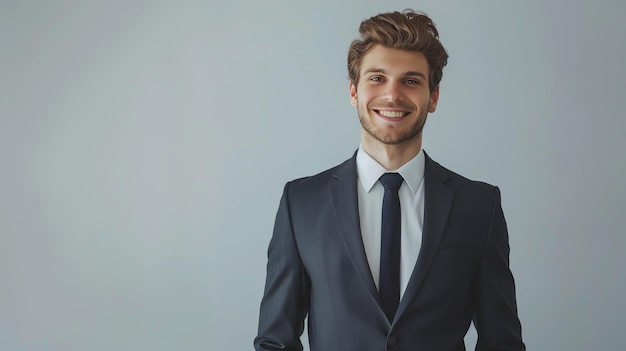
412,82
376,79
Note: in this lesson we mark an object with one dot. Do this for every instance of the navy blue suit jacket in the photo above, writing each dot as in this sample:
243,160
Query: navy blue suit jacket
317,268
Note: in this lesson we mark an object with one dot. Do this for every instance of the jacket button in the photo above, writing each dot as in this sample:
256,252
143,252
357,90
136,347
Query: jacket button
391,341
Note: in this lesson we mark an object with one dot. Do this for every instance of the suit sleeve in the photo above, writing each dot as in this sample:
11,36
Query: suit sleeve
286,298
496,320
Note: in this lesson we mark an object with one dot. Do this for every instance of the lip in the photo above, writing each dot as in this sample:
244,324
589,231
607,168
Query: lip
392,119
394,109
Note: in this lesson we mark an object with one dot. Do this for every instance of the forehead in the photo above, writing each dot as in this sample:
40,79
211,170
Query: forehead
394,61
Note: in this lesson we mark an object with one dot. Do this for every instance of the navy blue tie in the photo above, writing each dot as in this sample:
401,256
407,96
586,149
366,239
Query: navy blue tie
389,278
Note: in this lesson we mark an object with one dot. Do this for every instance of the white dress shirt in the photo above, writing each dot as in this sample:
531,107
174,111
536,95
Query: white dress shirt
411,194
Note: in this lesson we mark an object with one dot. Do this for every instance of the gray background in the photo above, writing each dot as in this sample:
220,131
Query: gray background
144,146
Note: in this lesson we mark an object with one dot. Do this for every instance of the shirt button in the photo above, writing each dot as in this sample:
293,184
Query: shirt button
391,341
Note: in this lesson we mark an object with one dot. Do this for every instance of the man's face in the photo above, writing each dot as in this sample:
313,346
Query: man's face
392,96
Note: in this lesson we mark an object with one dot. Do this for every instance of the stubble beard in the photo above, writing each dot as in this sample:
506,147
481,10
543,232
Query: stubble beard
407,137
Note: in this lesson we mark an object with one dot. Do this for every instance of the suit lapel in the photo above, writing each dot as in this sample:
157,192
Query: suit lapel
344,198
437,201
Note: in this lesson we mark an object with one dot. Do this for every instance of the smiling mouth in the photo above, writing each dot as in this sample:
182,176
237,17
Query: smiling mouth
391,114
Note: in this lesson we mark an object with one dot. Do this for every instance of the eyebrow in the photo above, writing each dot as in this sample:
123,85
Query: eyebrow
406,74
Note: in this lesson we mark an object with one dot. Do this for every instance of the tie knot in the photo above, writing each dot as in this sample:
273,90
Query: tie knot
391,181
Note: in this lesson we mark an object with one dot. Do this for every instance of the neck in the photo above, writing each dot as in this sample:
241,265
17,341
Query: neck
391,156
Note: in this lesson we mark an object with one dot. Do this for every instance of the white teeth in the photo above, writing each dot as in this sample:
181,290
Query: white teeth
391,114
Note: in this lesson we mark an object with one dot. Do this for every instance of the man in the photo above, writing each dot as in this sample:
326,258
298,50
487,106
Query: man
378,266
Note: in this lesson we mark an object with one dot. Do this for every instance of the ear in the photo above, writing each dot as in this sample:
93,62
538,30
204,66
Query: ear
434,97
353,97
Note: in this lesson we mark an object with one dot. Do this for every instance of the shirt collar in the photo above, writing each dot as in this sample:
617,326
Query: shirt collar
369,170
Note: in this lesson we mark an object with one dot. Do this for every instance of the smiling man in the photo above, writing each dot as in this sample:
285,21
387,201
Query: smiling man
393,101
390,250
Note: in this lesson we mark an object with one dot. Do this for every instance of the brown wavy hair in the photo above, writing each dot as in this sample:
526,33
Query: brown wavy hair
407,30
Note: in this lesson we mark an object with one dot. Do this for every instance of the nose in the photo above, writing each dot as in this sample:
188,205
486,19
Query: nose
393,91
